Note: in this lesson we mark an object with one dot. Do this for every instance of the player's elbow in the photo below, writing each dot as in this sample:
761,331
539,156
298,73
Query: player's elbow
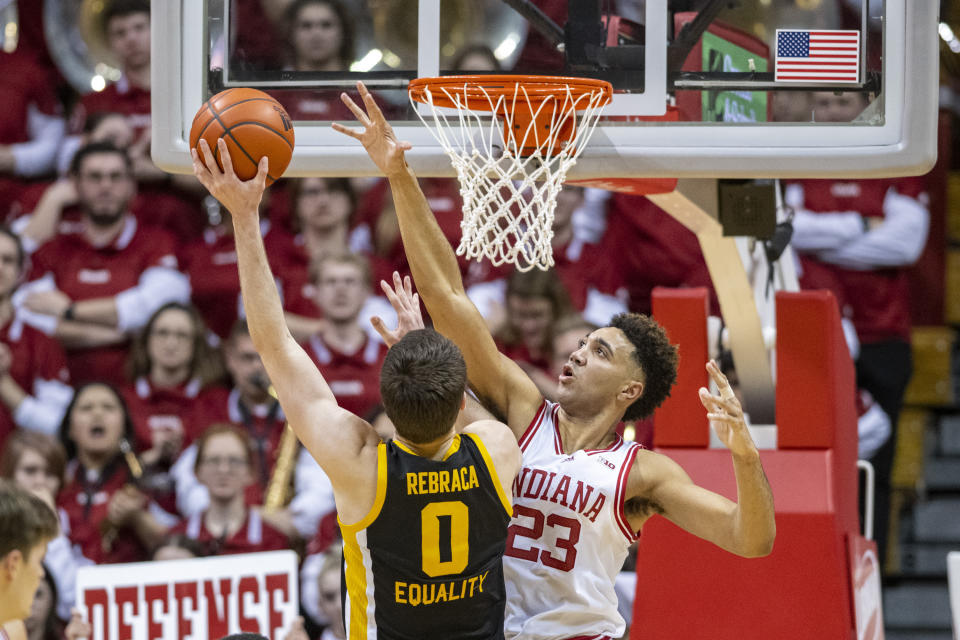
759,546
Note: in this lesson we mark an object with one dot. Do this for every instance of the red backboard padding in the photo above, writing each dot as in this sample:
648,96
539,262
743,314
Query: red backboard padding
816,390
681,420
689,588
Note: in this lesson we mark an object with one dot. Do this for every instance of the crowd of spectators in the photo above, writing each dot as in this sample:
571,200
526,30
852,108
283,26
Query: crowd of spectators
130,391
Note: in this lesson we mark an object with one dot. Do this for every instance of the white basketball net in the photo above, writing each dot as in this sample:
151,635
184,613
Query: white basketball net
509,199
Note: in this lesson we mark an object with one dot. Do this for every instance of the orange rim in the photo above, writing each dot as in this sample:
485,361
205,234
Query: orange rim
478,89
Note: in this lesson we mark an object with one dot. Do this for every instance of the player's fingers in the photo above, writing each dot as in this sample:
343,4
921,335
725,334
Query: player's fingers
379,326
225,158
208,160
723,417
355,109
408,286
372,109
353,133
262,170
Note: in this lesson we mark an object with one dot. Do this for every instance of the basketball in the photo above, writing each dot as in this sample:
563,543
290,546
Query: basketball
253,124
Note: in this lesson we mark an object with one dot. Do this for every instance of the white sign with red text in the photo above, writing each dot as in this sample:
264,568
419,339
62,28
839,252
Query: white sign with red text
198,599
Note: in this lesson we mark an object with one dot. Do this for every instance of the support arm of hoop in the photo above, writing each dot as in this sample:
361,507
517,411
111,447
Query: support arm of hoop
494,378
734,294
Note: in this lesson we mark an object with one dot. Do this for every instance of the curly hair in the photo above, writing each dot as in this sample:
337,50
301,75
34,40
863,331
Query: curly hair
656,357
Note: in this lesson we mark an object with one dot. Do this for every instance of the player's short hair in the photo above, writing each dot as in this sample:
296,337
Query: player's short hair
422,382
656,357
95,148
25,520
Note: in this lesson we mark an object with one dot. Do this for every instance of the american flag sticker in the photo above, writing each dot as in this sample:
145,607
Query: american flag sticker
821,56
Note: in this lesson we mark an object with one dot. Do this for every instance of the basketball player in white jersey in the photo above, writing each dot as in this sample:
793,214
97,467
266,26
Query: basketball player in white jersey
583,494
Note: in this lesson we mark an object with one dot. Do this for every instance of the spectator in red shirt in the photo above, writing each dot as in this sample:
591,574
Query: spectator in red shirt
31,126
861,235
225,466
34,382
92,284
249,406
175,198
171,365
347,356
107,516
535,301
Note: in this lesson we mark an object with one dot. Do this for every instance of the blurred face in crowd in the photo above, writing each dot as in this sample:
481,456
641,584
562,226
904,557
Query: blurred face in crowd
831,107
9,265
42,604
224,467
341,291
317,37
330,601
104,187
478,61
97,421
33,473
530,317
321,207
129,39
568,200
245,367
170,343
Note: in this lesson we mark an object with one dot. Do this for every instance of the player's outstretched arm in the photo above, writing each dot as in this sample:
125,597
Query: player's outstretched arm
334,436
495,378
746,527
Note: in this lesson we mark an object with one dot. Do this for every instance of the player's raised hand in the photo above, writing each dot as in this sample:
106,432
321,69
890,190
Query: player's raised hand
726,414
241,198
407,305
377,135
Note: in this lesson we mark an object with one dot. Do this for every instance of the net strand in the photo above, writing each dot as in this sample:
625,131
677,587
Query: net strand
508,198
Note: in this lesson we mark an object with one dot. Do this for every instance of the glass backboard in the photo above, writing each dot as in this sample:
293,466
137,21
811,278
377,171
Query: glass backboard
769,88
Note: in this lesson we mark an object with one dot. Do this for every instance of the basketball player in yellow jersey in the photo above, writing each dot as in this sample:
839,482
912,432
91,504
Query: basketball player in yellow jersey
424,516
583,494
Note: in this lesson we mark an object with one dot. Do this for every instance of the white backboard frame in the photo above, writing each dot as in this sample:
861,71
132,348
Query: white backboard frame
904,144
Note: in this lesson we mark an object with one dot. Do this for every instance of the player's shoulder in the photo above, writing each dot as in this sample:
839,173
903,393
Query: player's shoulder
651,469
497,439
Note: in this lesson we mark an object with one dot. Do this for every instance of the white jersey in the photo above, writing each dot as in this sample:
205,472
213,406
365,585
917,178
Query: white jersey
568,537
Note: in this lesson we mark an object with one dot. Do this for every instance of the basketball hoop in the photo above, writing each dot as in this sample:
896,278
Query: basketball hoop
512,140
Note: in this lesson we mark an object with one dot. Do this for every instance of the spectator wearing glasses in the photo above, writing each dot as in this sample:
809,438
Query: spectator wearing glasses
225,465
171,365
93,283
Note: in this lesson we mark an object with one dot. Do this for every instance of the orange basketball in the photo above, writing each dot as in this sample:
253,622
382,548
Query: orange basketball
253,124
